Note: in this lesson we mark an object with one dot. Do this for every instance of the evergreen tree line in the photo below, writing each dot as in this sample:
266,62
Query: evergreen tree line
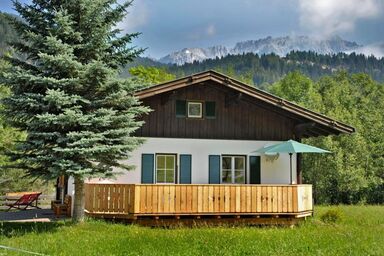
262,70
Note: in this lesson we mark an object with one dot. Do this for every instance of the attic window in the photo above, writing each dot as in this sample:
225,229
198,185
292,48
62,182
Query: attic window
195,109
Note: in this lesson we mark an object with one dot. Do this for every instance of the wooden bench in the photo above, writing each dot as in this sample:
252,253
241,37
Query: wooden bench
63,208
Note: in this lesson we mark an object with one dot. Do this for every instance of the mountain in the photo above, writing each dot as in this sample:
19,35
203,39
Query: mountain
279,45
190,55
376,50
7,32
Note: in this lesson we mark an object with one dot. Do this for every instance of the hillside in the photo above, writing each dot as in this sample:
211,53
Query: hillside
266,69
7,33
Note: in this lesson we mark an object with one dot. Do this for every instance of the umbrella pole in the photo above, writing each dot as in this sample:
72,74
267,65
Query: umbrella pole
290,167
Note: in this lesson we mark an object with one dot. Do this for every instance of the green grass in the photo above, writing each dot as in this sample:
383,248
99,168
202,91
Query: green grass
360,232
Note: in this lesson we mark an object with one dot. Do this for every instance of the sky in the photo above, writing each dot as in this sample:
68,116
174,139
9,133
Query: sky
171,25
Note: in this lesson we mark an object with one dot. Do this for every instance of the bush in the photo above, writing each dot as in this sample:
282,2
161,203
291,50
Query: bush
332,216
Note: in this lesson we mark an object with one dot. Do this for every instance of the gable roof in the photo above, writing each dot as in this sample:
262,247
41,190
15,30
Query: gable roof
332,126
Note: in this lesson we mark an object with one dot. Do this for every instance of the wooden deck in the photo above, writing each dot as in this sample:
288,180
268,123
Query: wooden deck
133,201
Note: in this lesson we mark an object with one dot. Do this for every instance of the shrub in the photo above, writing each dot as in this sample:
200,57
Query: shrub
332,216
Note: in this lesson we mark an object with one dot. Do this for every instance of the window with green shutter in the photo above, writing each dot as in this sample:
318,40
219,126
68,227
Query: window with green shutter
210,109
181,108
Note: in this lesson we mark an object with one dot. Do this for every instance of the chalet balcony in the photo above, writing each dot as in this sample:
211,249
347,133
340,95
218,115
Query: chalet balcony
138,201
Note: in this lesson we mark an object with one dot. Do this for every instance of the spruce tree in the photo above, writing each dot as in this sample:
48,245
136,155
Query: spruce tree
66,93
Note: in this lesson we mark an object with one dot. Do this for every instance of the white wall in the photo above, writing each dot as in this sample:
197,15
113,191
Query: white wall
272,172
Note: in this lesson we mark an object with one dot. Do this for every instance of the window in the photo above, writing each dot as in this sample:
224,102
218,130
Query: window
210,109
165,168
181,108
233,169
195,109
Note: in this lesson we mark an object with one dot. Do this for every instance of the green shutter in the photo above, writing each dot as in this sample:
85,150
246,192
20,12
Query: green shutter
181,108
147,168
185,169
214,169
254,162
210,109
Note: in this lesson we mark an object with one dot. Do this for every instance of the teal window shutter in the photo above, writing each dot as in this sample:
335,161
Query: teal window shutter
255,174
147,168
181,108
185,169
214,169
210,109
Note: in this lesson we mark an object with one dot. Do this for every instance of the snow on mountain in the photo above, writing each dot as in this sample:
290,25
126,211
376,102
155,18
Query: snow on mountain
279,45
376,50
189,55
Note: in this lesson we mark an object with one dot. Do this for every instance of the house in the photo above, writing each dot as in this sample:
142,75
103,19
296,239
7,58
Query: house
199,156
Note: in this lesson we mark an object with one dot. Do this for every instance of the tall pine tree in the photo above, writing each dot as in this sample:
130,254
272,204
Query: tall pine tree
66,94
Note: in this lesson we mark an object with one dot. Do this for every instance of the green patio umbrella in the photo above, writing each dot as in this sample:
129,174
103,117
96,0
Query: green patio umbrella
291,147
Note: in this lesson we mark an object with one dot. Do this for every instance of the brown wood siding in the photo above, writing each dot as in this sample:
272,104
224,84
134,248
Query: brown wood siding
247,119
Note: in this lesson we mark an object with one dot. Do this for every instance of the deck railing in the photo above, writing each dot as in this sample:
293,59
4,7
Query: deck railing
142,200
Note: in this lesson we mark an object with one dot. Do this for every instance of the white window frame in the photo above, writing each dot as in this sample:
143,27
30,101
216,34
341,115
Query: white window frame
195,103
165,169
233,168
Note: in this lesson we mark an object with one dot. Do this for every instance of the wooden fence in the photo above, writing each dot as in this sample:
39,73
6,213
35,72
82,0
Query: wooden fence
141,200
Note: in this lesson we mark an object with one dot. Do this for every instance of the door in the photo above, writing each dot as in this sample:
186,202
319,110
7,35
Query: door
233,170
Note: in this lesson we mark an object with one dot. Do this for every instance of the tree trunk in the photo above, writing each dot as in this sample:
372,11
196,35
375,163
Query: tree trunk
78,209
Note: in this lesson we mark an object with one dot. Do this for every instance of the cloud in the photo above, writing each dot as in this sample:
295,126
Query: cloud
329,17
202,32
210,30
376,50
138,16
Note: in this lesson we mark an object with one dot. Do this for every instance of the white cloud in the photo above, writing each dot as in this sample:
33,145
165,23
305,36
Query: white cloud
329,17
210,30
138,15
202,32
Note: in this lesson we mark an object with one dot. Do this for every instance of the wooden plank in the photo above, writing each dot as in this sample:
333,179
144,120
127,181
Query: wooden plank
264,203
189,196
294,199
269,199
155,199
249,196
259,200
200,196
183,199
137,199
233,199
253,199
143,194
166,198
289,199
221,199
210,199
177,198
285,199
171,198
216,199
149,195
194,199
279,199
205,199
274,199
243,198
160,199
227,199
238,199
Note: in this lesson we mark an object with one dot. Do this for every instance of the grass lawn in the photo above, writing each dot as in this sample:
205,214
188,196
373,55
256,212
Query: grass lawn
361,232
